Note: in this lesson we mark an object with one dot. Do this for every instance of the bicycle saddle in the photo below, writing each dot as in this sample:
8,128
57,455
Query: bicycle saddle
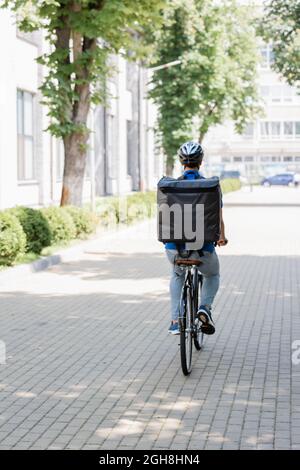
188,262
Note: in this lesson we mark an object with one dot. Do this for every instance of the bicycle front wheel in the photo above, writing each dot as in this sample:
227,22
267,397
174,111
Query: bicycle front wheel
186,332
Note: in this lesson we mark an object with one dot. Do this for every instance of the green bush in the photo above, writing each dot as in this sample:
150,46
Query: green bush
85,221
113,210
12,239
35,226
61,224
230,184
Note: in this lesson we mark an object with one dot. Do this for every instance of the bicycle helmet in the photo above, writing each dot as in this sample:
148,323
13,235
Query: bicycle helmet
190,152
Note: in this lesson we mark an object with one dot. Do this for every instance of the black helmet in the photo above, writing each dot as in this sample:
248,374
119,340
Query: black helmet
190,152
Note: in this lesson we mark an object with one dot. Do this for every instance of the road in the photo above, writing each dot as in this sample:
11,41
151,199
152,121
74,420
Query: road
90,364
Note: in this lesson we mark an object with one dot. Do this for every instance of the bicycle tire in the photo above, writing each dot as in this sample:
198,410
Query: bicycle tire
186,340
198,335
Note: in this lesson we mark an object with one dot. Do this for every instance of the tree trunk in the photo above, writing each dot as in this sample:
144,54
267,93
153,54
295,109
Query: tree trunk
75,160
169,167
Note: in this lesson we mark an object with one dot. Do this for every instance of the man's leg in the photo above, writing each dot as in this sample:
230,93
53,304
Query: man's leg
211,280
176,283
210,269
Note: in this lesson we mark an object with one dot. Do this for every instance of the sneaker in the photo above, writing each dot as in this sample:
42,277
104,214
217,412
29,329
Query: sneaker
174,328
204,315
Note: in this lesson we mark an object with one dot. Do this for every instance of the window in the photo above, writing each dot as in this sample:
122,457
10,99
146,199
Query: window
60,157
267,56
248,131
287,93
297,159
270,129
248,159
288,129
276,159
297,129
281,93
265,92
26,163
275,129
276,93
237,159
288,159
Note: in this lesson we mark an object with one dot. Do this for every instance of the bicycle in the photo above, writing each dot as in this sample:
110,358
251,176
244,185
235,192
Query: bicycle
189,324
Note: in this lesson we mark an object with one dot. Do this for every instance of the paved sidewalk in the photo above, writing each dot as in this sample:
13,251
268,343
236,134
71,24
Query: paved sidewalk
90,364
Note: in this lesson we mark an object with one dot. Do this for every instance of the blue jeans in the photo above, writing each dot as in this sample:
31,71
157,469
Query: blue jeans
211,279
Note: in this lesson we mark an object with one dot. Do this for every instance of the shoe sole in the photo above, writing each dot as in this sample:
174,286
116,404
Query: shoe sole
206,327
173,333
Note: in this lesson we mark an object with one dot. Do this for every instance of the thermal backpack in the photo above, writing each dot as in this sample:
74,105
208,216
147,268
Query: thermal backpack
175,197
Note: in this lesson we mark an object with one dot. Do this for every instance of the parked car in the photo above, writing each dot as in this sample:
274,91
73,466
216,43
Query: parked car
282,179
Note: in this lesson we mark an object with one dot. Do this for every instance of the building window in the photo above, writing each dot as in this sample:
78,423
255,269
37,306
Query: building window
248,158
278,93
270,129
26,161
267,55
248,131
297,159
275,129
60,159
237,159
276,159
288,159
288,129
297,129
111,146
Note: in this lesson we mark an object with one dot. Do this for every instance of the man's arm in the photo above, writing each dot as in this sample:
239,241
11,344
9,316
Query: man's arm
222,240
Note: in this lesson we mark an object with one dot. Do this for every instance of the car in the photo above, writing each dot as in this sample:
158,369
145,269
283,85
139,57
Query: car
282,179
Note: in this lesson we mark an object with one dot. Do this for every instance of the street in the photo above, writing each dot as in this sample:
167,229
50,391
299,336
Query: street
90,363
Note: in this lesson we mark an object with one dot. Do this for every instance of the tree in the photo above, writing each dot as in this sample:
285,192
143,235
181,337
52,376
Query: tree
81,35
216,79
281,26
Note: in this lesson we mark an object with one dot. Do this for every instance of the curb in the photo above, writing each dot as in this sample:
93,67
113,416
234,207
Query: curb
62,256
42,264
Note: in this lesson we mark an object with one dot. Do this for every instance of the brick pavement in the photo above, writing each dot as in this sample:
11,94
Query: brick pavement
90,364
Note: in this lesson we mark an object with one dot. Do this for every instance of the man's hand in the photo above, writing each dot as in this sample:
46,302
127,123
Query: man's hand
222,241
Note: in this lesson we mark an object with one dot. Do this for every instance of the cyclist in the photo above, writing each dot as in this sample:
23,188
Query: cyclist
191,156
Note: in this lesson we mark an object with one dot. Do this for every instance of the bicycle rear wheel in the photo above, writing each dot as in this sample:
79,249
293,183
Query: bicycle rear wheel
186,331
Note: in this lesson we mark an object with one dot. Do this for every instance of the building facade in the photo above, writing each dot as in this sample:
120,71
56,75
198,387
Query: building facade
271,143
122,155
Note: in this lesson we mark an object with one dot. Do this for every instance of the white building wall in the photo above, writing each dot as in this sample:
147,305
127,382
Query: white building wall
8,132
19,70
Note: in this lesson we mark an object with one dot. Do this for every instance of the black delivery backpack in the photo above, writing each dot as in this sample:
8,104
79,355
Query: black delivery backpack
181,193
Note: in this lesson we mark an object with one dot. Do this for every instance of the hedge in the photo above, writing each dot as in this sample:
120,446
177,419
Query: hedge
85,222
62,227
113,210
35,226
23,229
12,239
230,184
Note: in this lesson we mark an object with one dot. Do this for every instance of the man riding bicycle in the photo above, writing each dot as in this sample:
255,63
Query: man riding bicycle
191,156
